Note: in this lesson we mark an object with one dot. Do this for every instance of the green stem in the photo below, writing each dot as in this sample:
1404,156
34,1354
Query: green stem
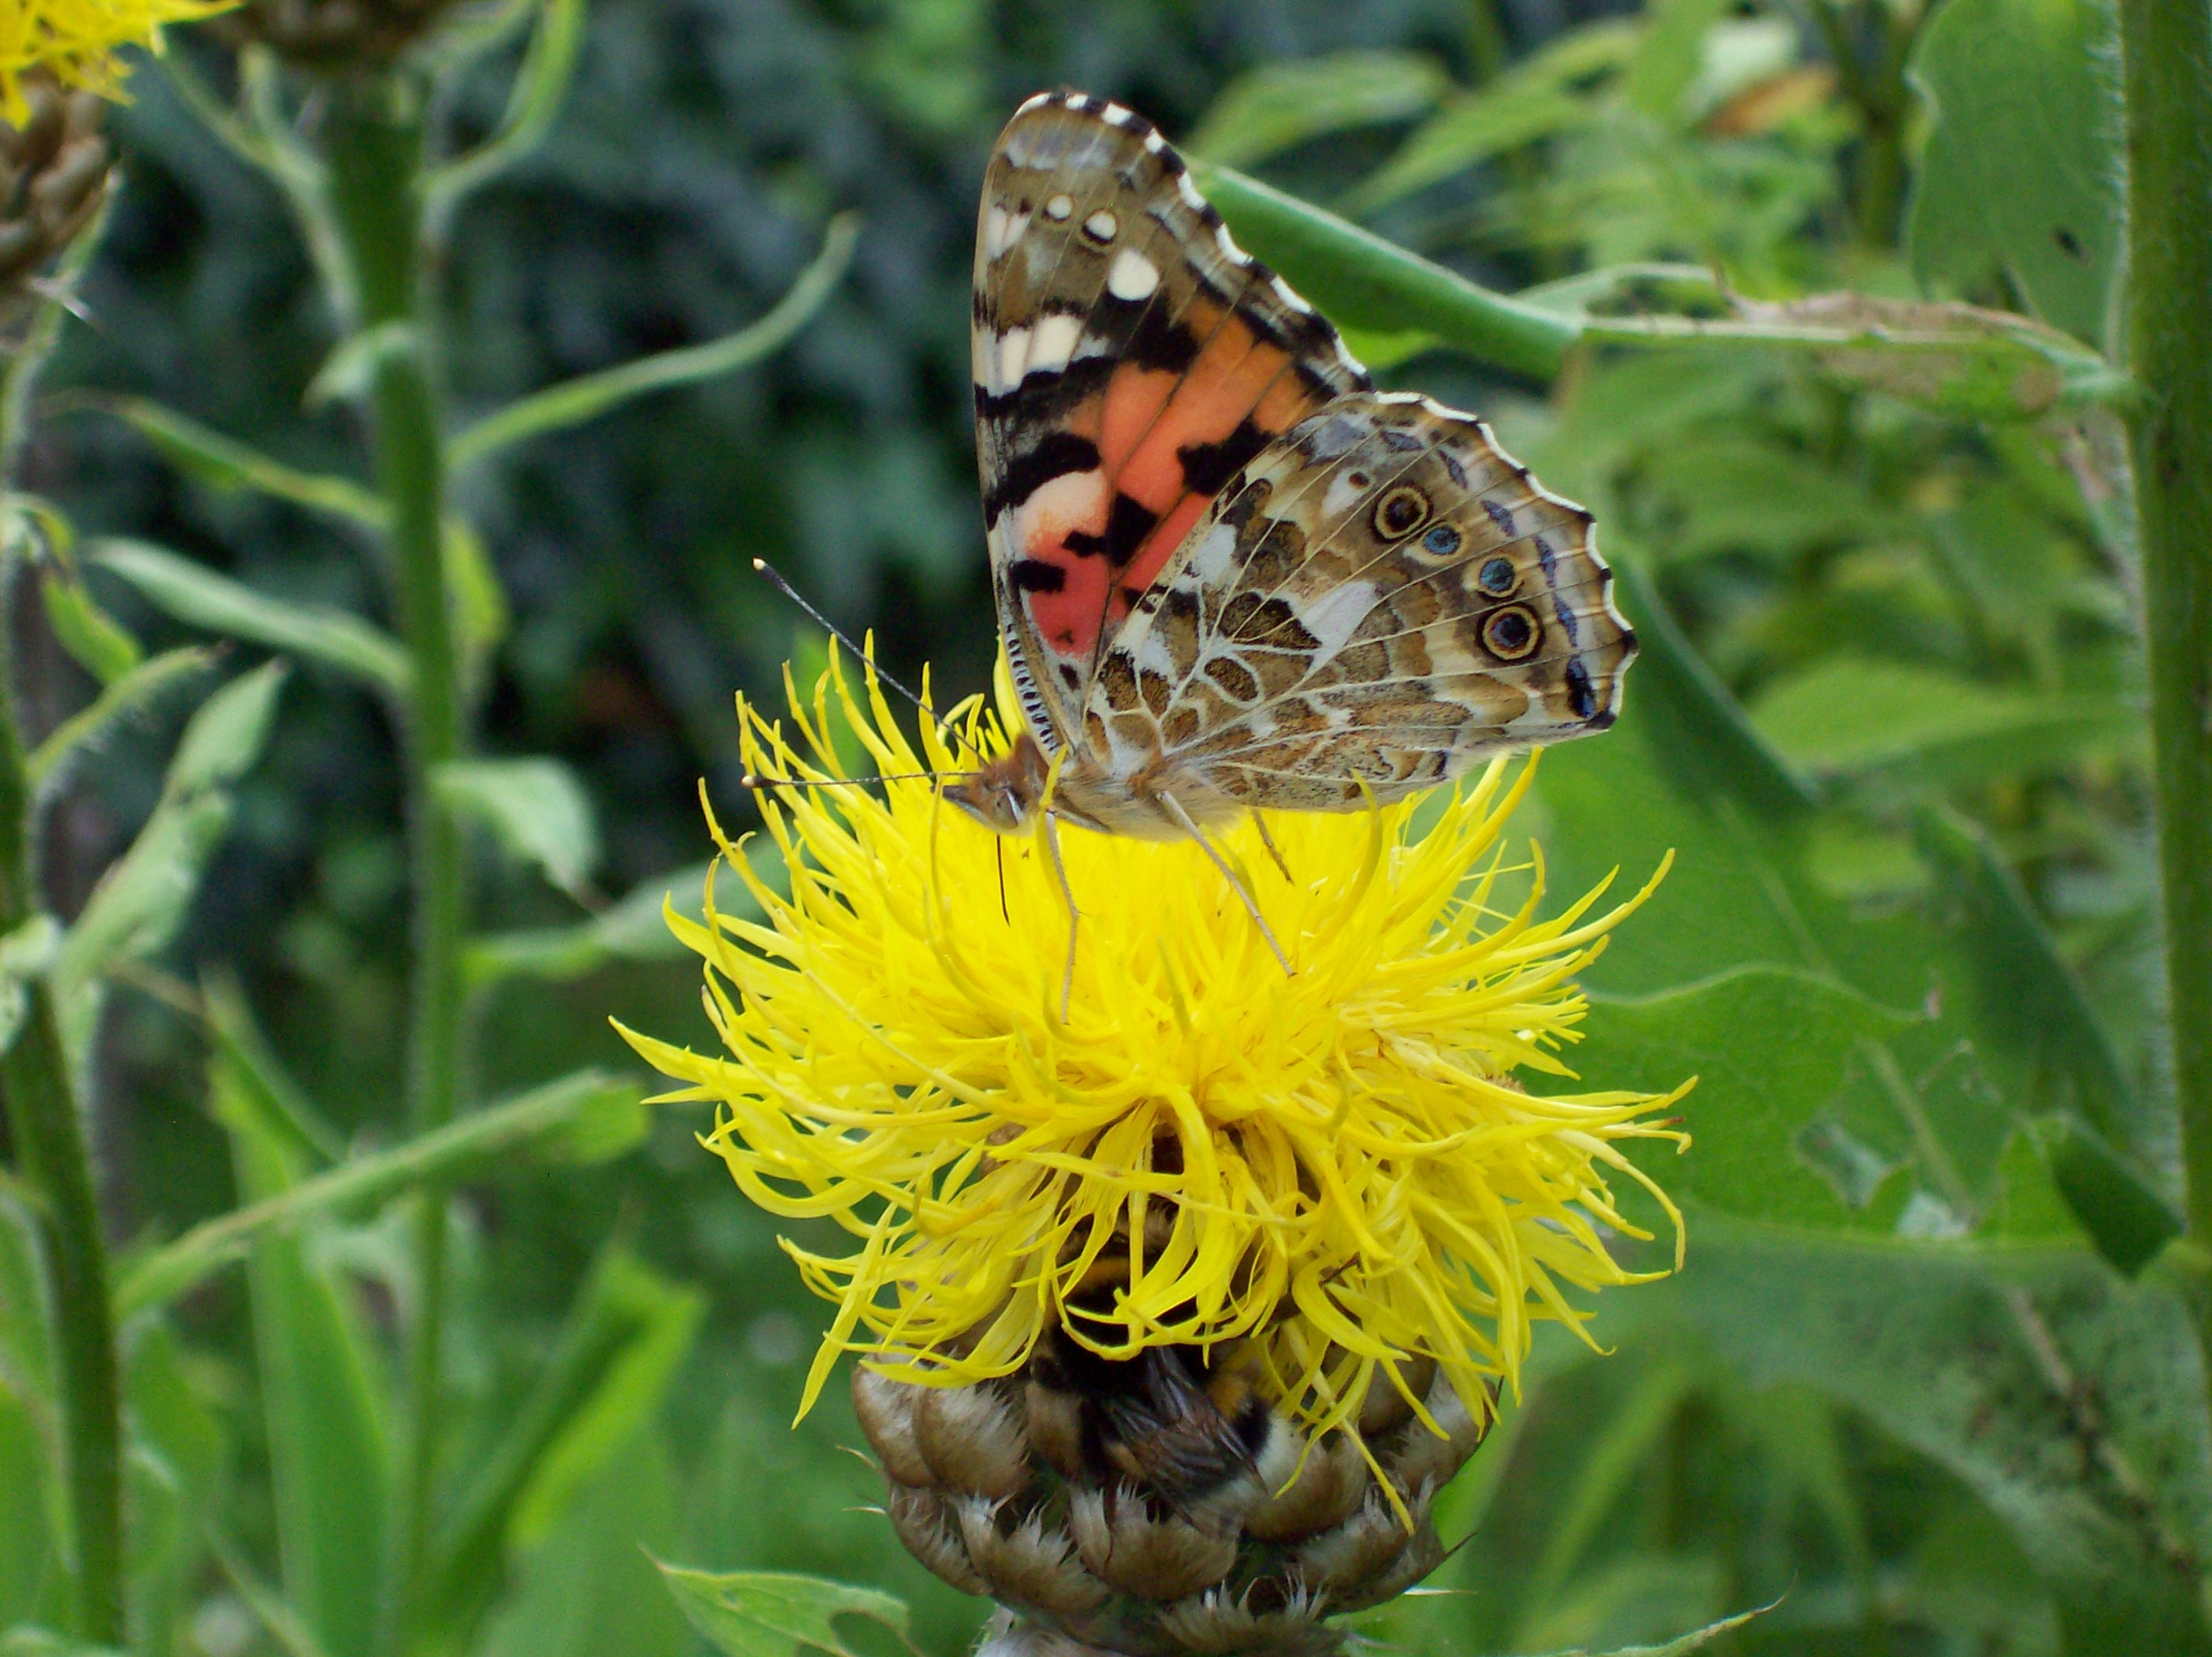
50,1156
2165,51
374,146
44,1129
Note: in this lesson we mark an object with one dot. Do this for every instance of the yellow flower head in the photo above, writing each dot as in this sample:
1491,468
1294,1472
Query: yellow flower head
1336,1171
77,40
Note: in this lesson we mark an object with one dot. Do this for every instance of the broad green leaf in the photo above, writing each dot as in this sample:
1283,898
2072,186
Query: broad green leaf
1684,770
626,1333
775,1614
1900,726
2028,1001
587,1589
633,928
1537,97
130,696
2129,1221
226,463
94,640
2020,177
195,594
592,395
578,1118
537,810
330,1446
1770,1049
33,1640
1293,100
2071,1400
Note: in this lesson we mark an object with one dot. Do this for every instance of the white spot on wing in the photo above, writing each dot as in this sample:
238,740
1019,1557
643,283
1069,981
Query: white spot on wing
1289,296
1117,116
1053,343
1059,206
1189,190
1014,355
1102,225
1133,277
1332,617
1230,250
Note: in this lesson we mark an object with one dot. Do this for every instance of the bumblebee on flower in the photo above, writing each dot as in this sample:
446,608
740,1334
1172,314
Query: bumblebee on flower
1204,1291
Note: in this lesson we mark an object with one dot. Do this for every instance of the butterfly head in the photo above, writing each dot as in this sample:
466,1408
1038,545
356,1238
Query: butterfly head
1004,794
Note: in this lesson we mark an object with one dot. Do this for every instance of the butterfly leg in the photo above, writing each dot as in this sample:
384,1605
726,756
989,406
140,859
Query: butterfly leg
1268,841
1074,915
1182,820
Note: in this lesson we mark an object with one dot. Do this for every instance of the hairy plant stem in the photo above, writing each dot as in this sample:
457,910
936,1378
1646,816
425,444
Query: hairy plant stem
47,1132
375,145
2166,51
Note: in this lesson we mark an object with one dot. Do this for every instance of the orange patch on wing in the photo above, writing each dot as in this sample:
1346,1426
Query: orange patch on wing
1074,503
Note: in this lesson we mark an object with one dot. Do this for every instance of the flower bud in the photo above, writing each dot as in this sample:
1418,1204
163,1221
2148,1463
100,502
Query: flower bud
54,169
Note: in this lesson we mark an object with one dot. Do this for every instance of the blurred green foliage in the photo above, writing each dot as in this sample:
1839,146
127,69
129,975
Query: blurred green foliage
1915,1391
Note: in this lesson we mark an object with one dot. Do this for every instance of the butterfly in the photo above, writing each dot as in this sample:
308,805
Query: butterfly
1230,574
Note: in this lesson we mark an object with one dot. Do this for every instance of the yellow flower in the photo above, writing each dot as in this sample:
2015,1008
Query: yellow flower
77,40
1349,1175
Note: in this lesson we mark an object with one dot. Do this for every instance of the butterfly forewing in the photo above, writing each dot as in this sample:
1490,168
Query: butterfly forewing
1129,361
1380,600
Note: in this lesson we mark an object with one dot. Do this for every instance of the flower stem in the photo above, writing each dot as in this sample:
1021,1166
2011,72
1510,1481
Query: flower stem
52,1159
374,144
44,1129
2167,67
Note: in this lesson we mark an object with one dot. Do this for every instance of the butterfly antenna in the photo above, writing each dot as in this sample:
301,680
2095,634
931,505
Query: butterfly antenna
760,783
883,676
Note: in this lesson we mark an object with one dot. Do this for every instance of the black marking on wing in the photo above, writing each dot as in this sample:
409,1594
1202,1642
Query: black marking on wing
1208,467
1057,454
1128,521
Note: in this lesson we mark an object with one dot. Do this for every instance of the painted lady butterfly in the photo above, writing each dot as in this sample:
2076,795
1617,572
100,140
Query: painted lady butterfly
1230,573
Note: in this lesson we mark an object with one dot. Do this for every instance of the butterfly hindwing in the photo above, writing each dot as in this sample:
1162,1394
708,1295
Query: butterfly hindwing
1129,361
1382,598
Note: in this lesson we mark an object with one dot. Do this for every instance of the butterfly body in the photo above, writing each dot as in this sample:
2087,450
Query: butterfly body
1231,574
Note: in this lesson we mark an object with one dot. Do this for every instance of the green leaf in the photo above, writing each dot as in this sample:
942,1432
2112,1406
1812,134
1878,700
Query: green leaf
480,612
2021,177
588,1588
328,1443
592,395
633,928
1770,1048
536,809
197,595
1902,727
94,640
1538,97
226,736
576,1117
775,1613
133,694
531,104
1292,101
144,896
2028,1002
2124,1216
223,462
1696,1640
2071,1400
629,1330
